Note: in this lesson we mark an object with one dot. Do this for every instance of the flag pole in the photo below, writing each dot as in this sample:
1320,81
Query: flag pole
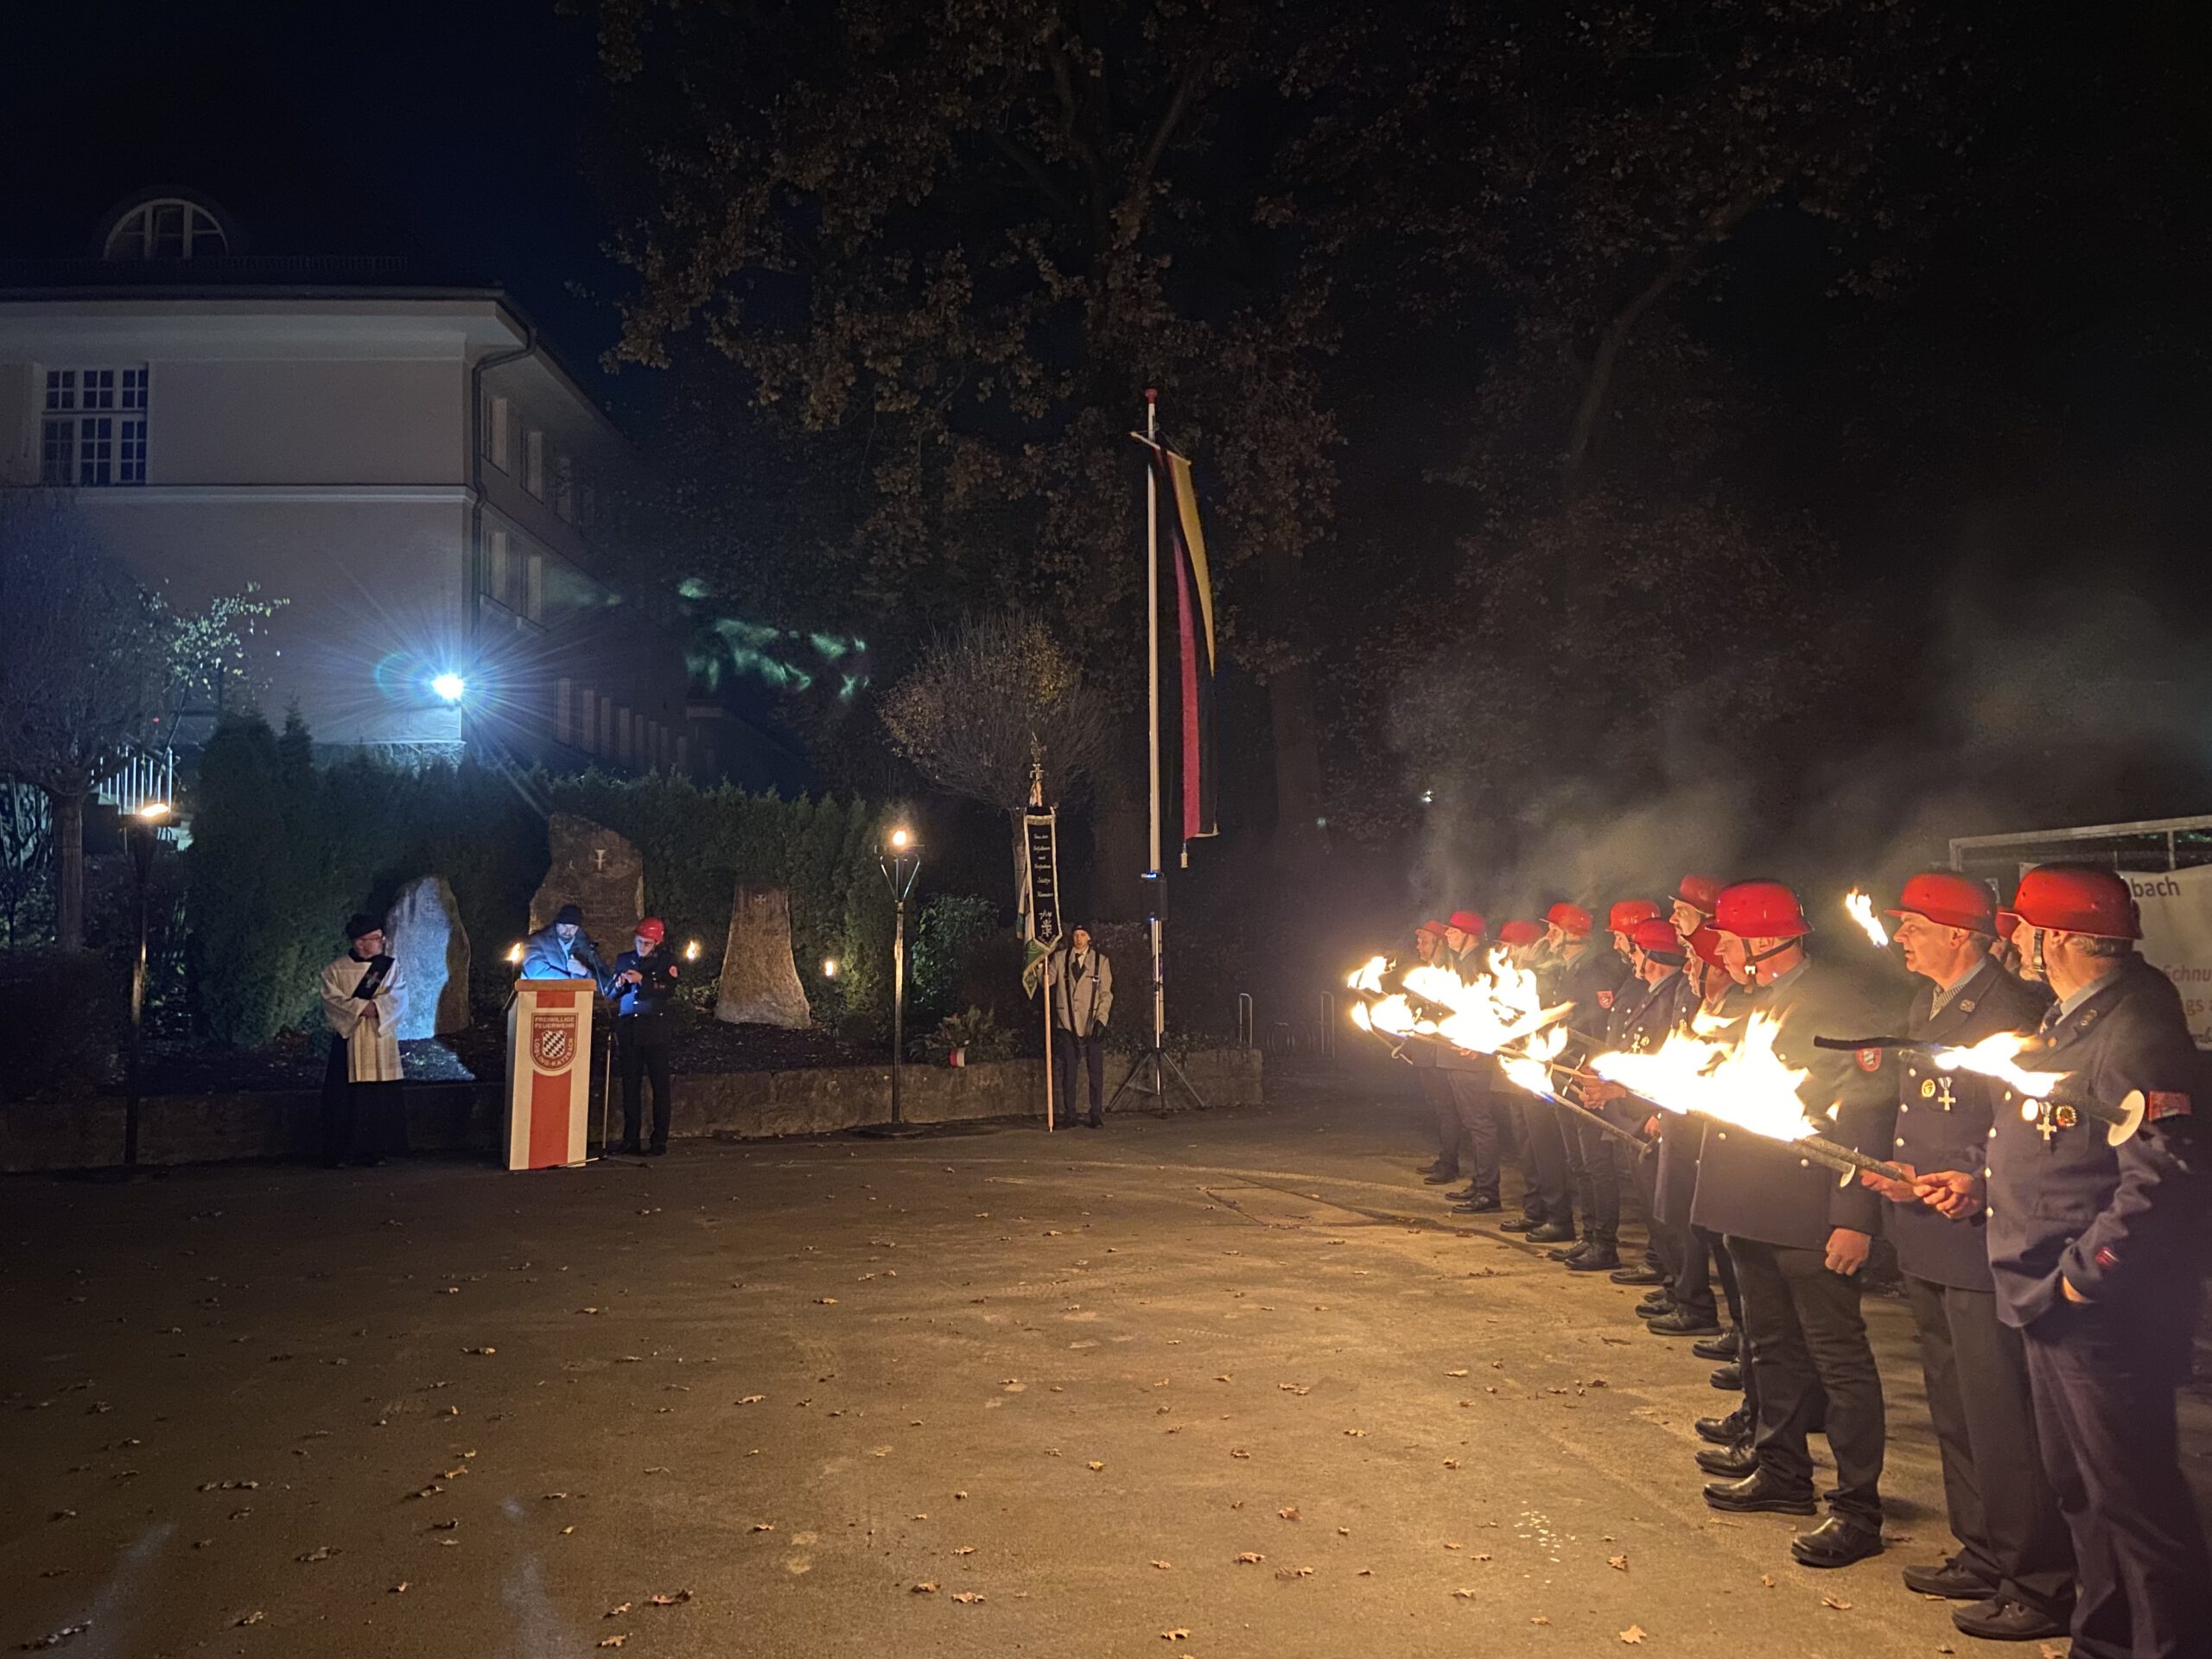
1152,704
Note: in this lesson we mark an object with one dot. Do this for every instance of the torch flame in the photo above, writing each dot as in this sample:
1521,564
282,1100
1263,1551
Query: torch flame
1743,1083
1995,1056
1528,1069
1479,1015
1862,912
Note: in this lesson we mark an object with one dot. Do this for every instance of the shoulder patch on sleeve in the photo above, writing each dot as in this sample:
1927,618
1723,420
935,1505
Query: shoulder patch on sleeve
1870,1060
1604,999
2159,1104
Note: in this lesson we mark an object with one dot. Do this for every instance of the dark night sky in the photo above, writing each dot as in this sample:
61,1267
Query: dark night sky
460,120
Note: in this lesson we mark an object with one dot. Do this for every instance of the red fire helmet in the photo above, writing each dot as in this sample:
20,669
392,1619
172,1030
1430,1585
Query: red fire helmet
1700,892
652,928
1519,932
1948,900
1468,921
2076,899
1571,919
1627,912
1760,910
2006,921
1657,939
1707,942
1435,927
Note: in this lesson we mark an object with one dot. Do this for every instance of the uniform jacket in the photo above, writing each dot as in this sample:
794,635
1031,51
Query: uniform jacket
1591,982
1652,1012
1943,1120
1749,1186
645,1006
543,957
2125,1225
1082,996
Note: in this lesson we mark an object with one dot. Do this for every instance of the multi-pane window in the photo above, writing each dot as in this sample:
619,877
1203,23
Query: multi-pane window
565,488
533,479
93,427
169,229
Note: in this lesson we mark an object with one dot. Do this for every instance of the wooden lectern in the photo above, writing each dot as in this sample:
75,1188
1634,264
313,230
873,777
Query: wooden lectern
548,1073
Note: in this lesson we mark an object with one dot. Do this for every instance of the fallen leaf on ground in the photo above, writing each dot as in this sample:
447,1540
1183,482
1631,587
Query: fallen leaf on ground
1767,1579
1343,1532
1249,1558
764,1526
1618,1563
825,1301
565,1531
1179,1634
1165,1566
1288,1513
1540,1619
1094,1463
1451,1463
1289,1572
616,1613
1238,1452
1462,1371
253,1617
751,1399
1840,1604
965,1549
445,1526
668,1601
926,1587
965,1597
319,1553
613,1641
399,1589
1356,1434
1633,1635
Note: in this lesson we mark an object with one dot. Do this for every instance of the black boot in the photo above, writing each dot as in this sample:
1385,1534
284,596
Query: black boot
1601,1257
1552,1232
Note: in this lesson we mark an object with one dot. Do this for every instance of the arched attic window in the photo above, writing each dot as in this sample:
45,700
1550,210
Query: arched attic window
168,227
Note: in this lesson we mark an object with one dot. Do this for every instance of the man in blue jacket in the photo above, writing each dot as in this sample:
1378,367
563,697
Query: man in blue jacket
2098,1251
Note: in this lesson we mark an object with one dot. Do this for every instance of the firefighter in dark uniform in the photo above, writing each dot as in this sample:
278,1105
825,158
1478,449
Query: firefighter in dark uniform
1690,904
1435,1094
1521,941
1666,1008
1800,1238
1595,1163
1583,976
2098,1251
2014,1562
1471,1079
643,982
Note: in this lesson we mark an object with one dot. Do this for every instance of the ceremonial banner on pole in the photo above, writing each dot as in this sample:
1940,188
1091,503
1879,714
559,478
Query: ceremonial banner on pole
1040,894
1195,655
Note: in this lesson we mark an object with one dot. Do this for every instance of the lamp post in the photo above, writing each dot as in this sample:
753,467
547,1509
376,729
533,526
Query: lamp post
142,832
902,861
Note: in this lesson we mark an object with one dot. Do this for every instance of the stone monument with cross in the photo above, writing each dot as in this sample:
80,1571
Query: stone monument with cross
598,868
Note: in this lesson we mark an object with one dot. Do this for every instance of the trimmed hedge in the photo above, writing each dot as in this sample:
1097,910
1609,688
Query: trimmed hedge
282,850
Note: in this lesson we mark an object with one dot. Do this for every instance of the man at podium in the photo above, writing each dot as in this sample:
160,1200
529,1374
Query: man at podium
561,950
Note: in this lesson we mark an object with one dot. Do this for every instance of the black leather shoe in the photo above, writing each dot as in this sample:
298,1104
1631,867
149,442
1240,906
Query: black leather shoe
1460,1194
1761,1494
1444,1179
1729,1379
1835,1542
1720,1347
1681,1323
1724,1431
1598,1258
658,1149
1652,1306
1552,1232
1477,1207
1951,1578
1639,1274
1095,1122
1435,1167
1520,1224
627,1149
2001,1620
1730,1462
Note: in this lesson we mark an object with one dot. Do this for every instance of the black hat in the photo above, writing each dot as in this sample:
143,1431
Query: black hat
359,924
568,916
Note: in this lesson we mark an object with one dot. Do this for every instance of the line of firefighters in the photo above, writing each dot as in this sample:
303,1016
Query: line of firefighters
2052,1268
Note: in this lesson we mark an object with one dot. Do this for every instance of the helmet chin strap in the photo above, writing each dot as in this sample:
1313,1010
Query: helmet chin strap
2042,972
1754,958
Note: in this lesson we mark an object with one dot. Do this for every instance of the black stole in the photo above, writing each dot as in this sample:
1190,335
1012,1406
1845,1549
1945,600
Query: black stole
372,980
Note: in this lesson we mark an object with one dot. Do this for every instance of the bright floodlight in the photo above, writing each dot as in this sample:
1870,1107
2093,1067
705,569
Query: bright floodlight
829,967
901,840
153,811
449,687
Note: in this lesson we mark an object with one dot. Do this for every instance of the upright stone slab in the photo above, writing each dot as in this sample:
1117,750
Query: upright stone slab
431,948
760,983
597,868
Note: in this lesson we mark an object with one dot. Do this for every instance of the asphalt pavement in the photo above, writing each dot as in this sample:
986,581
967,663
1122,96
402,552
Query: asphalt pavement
1218,1384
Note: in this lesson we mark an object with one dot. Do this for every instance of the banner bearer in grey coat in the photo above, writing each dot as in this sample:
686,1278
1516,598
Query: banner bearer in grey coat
1080,980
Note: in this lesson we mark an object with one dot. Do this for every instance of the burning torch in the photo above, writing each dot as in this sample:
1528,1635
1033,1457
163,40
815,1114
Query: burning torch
1997,1056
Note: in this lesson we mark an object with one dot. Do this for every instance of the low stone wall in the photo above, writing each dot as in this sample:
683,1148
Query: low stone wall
466,1116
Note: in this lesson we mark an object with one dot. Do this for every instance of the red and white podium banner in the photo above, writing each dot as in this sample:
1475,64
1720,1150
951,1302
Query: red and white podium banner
548,1073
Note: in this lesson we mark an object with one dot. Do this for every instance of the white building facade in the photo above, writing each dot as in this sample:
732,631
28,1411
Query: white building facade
406,471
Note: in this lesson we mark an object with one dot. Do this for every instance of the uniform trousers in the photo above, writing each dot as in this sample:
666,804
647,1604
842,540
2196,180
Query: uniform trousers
1436,1095
1600,1185
1087,1054
1472,1104
637,1058
1806,1335
1664,1251
1525,1109
2103,1381
1691,1281
1550,1138
2002,1509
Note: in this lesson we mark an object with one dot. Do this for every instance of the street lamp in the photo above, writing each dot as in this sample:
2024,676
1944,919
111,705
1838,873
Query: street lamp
142,832
902,861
